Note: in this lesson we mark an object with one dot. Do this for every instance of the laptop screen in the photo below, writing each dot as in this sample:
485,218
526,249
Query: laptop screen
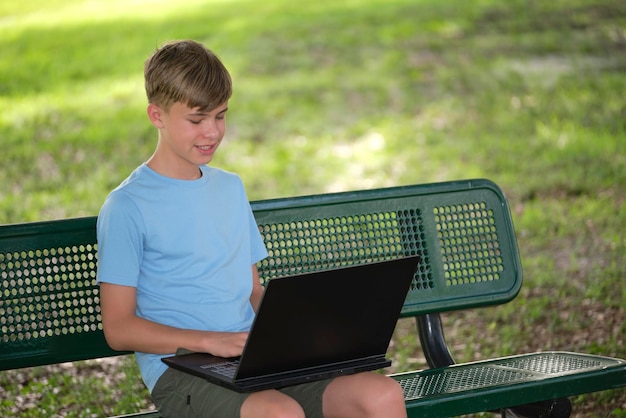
327,317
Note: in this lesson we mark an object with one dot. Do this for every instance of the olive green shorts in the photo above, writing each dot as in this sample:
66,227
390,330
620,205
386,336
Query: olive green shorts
178,394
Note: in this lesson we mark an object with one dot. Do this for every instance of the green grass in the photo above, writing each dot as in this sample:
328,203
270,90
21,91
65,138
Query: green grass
333,96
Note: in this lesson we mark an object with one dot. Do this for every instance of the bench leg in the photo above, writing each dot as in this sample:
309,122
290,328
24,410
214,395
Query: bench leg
433,340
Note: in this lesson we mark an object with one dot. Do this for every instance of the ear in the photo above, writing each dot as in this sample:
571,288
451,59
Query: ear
154,114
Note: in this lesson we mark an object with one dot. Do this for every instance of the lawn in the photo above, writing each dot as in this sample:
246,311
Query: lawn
334,96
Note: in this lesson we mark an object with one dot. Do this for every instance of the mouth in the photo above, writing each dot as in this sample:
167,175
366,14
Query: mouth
206,149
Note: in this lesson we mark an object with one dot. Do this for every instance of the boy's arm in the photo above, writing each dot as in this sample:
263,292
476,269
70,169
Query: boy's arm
257,289
124,330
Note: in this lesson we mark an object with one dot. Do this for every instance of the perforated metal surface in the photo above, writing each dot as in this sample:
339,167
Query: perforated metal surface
317,243
464,237
551,363
459,380
509,371
469,243
47,292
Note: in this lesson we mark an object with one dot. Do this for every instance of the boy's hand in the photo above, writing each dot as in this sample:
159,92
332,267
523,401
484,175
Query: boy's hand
226,344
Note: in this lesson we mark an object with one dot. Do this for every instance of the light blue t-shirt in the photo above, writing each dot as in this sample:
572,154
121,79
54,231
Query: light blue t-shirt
187,246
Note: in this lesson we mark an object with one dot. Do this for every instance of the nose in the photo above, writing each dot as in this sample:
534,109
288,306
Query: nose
210,129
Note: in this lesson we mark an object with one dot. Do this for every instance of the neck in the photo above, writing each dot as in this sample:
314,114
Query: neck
186,173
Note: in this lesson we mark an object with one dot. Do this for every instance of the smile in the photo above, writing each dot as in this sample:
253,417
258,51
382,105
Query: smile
206,149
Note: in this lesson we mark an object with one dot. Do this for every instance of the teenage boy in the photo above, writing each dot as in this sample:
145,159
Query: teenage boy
177,248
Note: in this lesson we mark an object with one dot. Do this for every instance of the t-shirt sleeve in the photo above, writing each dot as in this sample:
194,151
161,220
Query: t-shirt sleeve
120,241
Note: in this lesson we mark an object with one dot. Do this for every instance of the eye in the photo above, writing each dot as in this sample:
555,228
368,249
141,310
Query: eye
195,122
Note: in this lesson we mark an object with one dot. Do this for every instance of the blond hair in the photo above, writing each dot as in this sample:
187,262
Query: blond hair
189,73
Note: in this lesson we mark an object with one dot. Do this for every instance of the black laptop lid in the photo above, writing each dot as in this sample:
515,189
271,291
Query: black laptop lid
327,317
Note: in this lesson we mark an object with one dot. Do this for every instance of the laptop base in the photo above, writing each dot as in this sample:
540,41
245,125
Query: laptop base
199,364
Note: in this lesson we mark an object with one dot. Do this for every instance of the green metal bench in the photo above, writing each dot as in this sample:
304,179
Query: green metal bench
49,306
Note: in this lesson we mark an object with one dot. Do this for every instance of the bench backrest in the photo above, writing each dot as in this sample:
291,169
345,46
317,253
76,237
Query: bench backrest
49,304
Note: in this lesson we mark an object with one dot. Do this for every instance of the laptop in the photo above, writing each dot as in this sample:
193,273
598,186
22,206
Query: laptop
314,326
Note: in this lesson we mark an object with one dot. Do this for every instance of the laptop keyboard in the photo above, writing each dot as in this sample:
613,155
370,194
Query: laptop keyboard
225,368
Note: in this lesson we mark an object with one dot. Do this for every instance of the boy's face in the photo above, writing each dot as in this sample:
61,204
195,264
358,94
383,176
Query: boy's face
187,138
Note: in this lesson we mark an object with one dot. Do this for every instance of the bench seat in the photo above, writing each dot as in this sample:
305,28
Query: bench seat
499,383
509,381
